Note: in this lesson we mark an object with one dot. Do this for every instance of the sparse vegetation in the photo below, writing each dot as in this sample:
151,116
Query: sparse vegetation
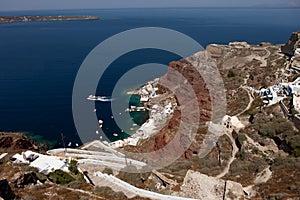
108,192
285,162
108,171
282,131
240,155
42,177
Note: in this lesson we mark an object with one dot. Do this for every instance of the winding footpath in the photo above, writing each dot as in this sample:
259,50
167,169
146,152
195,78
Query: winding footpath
233,153
251,99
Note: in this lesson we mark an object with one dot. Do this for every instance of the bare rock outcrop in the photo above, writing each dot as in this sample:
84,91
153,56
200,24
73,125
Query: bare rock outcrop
201,186
16,141
23,179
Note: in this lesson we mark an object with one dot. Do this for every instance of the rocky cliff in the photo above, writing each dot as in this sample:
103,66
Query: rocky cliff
244,155
292,44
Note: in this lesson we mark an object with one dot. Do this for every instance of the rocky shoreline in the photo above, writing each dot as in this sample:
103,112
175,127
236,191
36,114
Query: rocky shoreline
161,106
13,19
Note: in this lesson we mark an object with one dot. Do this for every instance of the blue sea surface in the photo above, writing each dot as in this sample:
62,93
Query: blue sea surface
39,60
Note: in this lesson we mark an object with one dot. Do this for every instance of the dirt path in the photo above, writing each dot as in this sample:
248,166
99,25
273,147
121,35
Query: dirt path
266,174
263,176
234,151
251,99
262,59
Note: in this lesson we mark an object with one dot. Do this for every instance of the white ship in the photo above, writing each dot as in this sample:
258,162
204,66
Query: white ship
99,98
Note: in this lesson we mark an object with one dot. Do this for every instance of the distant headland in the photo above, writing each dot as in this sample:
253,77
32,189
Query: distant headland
12,19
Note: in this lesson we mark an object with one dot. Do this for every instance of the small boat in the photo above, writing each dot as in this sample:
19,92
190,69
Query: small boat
115,134
100,123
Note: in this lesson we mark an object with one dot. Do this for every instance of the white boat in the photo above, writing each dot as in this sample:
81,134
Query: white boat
100,122
99,98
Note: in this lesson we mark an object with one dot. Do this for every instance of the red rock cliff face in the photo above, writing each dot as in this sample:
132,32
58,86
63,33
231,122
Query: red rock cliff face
193,77
193,98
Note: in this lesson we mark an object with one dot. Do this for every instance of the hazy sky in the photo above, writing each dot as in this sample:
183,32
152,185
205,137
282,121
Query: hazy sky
77,4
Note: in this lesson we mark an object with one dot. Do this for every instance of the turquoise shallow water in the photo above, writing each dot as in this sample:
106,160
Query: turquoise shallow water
39,60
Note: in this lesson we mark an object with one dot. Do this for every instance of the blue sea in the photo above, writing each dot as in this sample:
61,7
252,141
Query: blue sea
39,60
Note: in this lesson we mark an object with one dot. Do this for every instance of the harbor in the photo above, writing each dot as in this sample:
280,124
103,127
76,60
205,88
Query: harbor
160,107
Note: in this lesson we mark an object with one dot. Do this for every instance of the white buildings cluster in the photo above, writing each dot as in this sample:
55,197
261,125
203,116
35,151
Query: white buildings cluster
148,91
158,115
277,93
45,164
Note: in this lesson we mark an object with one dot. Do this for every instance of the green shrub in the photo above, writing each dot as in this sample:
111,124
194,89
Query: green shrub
60,177
230,74
73,167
